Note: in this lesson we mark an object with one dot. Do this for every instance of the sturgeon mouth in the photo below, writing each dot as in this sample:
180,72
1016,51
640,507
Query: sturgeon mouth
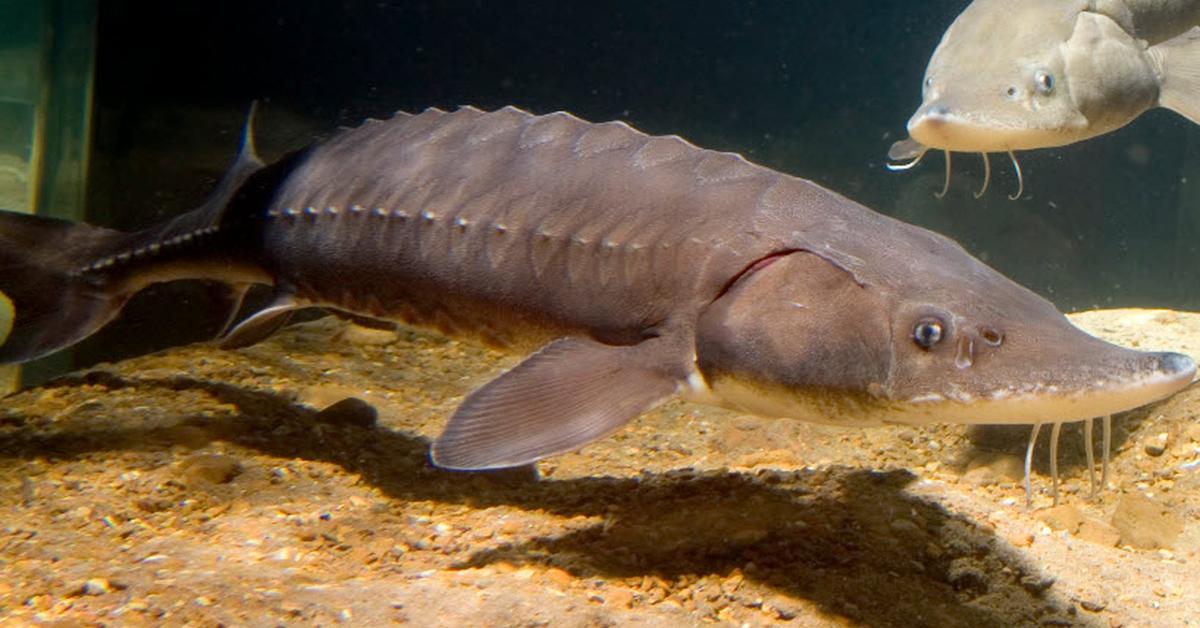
1040,402
937,126
1021,405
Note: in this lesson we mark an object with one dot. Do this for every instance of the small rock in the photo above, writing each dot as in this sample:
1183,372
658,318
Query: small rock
1156,445
1098,532
980,476
210,468
1020,539
558,577
350,411
1093,606
618,597
1146,524
95,586
904,528
524,573
988,470
1010,468
1036,583
784,608
369,336
1065,517
964,574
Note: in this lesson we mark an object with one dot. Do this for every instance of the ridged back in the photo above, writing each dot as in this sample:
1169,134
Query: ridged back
586,225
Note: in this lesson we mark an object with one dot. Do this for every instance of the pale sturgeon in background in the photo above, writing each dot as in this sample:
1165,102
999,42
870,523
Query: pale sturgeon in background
1014,75
638,267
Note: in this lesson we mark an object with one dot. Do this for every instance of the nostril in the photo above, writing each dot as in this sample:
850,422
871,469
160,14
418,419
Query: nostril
991,336
1176,363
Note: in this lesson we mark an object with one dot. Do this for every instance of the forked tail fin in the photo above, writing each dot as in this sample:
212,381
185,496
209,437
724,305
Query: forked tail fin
60,281
51,303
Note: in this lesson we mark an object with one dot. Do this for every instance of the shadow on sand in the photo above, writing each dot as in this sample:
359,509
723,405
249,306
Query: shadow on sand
852,541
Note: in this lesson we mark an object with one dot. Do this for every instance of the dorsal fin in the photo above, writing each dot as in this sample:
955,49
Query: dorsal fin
245,164
209,216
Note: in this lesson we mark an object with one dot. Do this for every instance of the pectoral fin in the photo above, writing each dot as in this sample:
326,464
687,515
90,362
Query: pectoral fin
1178,61
262,323
570,393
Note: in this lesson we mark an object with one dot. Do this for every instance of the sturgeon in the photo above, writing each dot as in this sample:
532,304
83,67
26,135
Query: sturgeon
1012,75
634,267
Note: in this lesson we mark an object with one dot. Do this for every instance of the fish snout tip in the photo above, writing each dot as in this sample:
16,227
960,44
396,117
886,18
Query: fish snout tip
937,110
931,113
929,124
1177,365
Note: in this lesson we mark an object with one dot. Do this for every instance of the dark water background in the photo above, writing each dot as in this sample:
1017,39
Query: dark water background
813,88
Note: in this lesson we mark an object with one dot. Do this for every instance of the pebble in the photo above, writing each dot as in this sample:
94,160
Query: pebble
558,577
210,468
351,411
783,607
369,337
1098,532
95,586
963,573
1146,524
1020,539
1065,517
1156,445
993,469
905,528
618,597
1037,583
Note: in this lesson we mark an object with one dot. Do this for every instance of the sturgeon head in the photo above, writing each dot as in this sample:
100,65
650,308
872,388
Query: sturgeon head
925,333
1023,74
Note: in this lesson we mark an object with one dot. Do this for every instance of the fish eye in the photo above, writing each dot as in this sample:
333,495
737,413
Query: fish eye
928,81
1011,91
928,332
1045,81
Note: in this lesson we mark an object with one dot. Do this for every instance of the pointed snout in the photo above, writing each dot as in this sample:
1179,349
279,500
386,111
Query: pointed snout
1177,365
1131,382
936,125
974,128
1158,376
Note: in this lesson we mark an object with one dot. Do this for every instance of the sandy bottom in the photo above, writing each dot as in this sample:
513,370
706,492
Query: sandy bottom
287,483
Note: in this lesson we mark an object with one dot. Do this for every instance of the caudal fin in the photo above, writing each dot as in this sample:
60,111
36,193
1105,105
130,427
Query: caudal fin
1178,61
49,301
